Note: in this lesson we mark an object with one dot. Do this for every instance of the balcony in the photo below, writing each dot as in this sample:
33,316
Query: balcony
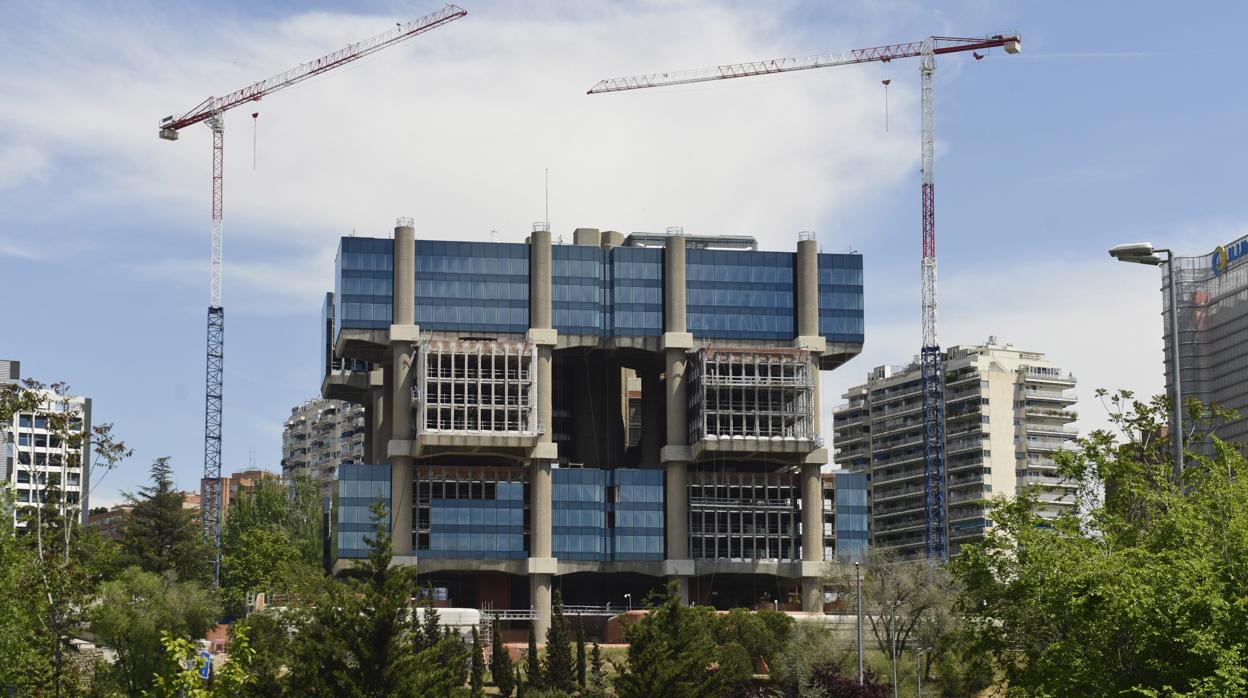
1046,445
1066,397
1053,376
1052,430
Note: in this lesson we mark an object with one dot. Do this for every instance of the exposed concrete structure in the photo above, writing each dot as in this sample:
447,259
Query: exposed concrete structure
510,414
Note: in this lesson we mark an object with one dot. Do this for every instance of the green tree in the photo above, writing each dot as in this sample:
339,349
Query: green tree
133,612
598,685
559,671
1143,591
160,534
478,666
532,669
268,637
500,663
360,638
270,541
672,652
580,652
178,676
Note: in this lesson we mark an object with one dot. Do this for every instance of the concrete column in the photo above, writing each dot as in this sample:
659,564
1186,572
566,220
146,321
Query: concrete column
807,285
379,436
677,510
812,594
653,427
541,563
539,280
675,455
402,374
812,513
674,284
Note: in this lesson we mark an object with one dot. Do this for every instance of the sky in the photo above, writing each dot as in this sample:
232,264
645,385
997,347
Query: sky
1119,122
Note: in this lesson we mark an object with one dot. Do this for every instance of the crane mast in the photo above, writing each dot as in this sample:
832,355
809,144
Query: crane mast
211,112
936,533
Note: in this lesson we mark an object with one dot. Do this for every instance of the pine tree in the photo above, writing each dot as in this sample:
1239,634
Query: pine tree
559,669
580,652
160,534
430,623
478,666
500,665
533,672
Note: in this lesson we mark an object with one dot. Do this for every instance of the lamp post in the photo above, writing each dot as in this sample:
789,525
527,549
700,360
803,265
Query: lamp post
858,583
629,599
918,668
892,636
1145,253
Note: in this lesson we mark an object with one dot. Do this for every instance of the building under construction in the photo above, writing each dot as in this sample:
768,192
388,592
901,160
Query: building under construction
600,417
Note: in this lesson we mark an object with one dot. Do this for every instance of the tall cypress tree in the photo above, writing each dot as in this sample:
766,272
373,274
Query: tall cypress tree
580,652
558,649
477,677
500,664
533,672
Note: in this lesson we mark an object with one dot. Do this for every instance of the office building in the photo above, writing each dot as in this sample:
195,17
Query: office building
1212,295
318,436
1006,415
499,424
39,463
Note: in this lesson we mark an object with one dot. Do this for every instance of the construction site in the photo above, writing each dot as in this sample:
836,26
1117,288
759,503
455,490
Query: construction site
635,427
602,416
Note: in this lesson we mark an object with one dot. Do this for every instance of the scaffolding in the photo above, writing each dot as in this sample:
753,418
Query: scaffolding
751,393
744,516
476,387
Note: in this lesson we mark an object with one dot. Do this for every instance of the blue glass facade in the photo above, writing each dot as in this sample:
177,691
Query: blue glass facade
359,487
579,513
739,294
577,284
637,292
484,288
636,503
840,297
472,286
853,511
363,284
471,520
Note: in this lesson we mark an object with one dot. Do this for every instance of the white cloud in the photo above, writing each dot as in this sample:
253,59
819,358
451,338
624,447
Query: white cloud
455,127
12,249
1100,320
21,163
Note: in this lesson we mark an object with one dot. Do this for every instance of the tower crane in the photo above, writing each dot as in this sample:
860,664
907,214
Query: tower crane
936,532
211,111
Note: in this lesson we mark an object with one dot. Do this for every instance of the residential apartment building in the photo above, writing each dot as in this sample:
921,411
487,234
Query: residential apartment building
228,489
37,461
1007,413
320,435
110,522
599,417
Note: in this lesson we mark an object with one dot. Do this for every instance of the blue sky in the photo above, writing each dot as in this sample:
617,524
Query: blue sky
1118,122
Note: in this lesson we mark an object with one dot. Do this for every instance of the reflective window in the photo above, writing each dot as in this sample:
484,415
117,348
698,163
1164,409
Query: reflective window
840,297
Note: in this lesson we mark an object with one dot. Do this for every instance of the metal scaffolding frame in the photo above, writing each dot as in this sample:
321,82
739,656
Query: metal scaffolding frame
476,387
751,393
744,515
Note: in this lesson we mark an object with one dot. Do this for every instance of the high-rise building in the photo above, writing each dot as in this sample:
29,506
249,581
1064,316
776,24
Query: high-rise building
39,462
320,435
1212,295
1006,415
498,409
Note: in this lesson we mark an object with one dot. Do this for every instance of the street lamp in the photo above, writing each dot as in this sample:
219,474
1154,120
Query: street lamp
892,637
629,599
1145,253
918,668
858,581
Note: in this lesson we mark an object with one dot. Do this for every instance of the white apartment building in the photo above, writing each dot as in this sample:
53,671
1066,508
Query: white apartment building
34,457
318,436
1007,413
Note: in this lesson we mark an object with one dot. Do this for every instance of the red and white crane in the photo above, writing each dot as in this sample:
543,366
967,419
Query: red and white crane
936,532
211,112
